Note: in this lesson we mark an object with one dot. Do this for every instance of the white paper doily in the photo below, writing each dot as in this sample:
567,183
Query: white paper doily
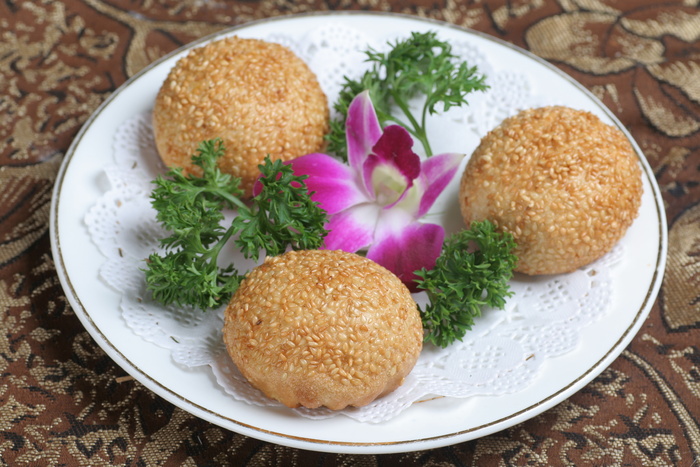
502,354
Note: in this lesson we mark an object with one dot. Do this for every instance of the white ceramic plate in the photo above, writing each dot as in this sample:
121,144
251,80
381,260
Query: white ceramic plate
423,426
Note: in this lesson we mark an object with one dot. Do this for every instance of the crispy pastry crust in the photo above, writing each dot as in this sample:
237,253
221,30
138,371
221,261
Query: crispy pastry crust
565,184
323,328
259,97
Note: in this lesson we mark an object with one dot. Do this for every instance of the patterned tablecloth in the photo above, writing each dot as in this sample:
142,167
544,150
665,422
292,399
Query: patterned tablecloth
63,401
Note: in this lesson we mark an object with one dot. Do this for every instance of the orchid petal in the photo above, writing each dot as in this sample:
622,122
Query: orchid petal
362,130
403,247
352,229
333,184
436,173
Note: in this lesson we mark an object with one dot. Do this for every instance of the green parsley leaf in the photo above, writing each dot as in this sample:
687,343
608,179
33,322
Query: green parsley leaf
285,215
421,65
192,209
472,272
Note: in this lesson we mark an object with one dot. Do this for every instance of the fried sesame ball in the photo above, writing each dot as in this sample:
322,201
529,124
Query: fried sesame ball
258,97
562,182
326,328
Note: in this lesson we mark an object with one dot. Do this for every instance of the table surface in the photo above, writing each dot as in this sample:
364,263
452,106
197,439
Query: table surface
63,401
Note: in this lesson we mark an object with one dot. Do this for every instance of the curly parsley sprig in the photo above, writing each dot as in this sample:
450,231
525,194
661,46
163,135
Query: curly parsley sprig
192,208
419,65
472,272
285,215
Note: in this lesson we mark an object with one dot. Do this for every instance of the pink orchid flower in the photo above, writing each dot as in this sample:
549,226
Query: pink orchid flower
376,202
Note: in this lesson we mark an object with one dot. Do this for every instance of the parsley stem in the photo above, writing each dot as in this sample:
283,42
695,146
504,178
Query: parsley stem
416,129
424,136
214,251
234,200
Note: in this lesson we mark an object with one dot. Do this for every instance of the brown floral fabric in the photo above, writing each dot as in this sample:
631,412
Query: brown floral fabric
63,401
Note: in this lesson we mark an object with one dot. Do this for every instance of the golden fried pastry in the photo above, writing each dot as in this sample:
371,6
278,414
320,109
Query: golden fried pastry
565,184
326,328
258,97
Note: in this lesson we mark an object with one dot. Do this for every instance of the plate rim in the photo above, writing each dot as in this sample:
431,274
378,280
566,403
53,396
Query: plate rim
348,446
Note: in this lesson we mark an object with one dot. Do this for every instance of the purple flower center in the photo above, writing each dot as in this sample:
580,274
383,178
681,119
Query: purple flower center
392,166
